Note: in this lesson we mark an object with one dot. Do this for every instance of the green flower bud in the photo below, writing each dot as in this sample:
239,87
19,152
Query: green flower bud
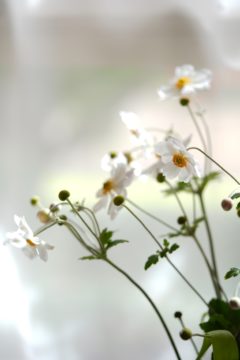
184,101
112,154
181,220
34,200
178,315
160,178
118,200
64,195
185,334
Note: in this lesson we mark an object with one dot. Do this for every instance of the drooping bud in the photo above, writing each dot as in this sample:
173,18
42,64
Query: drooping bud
64,195
118,200
227,204
184,101
234,303
185,334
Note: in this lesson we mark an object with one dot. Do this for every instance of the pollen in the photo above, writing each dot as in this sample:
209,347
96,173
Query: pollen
31,243
108,186
182,82
179,160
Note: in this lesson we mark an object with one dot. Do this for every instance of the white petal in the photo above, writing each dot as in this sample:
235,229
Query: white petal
102,203
42,252
170,171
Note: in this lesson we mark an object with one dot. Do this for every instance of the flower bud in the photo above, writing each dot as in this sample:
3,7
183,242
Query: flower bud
34,200
64,195
160,178
185,334
184,101
181,220
178,315
227,204
54,208
44,216
118,200
234,303
113,154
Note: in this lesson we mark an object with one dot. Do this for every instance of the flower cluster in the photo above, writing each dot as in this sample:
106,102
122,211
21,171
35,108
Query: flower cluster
170,162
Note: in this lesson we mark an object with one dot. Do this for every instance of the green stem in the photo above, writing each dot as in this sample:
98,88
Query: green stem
212,251
169,261
198,129
43,228
151,303
215,162
151,215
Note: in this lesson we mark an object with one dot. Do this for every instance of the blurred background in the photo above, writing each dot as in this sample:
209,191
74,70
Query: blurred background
67,68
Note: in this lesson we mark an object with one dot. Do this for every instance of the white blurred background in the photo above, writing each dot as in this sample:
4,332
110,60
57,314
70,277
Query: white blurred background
67,68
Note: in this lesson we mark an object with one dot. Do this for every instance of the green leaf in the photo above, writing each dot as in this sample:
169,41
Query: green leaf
223,343
206,179
173,248
115,242
105,236
181,186
166,243
152,260
232,273
235,196
91,257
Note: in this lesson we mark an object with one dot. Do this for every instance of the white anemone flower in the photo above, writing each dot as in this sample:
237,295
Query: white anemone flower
186,81
112,159
121,177
140,137
24,239
175,161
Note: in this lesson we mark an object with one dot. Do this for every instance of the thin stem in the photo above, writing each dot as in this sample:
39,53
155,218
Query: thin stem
210,238
43,228
198,129
151,303
151,215
178,199
191,339
215,162
169,261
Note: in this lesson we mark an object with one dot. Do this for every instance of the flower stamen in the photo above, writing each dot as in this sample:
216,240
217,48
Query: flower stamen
108,186
31,243
182,82
179,160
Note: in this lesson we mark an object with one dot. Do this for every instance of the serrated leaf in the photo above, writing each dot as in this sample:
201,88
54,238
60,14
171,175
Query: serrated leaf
206,179
115,242
105,236
152,260
166,243
173,248
233,272
223,343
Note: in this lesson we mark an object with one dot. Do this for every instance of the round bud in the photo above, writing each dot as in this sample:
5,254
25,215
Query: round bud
185,334
34,200
227,204
178,315
54,208
112,154
181,220
234,303
64,195
160,178
184,101
43,216
118,200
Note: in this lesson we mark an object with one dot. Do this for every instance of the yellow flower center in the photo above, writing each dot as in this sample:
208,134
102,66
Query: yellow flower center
179,160
31,243
182,82
108,186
